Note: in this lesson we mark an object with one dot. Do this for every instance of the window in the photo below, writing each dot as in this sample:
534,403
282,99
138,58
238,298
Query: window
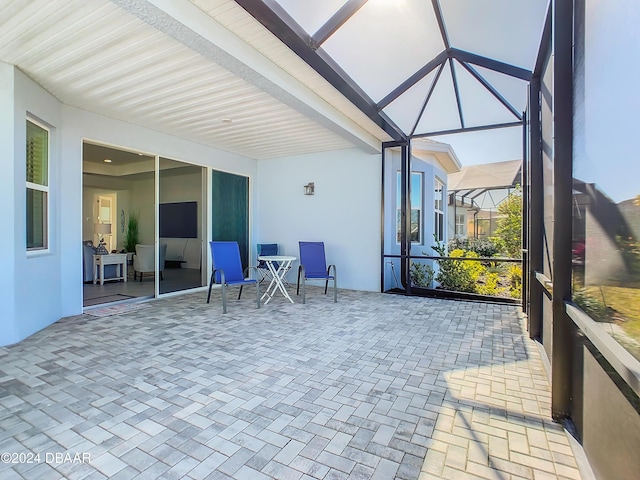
416,208
37,175
438,227
459,224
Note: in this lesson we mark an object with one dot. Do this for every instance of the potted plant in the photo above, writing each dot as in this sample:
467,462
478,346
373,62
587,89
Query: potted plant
131,236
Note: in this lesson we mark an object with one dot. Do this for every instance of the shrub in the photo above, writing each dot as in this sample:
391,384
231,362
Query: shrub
590,305
421,274
458,275
508,234
484,247
491,285
515,274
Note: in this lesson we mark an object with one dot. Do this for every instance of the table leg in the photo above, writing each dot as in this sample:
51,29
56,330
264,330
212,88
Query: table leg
284,268
101,273
273,283
95,271
124,269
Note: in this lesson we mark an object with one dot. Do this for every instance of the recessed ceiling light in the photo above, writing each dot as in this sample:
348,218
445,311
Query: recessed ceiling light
226,120
107,160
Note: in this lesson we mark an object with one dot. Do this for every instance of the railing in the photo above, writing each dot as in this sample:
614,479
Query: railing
469,277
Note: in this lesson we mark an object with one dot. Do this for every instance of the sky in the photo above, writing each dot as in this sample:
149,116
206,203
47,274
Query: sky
488,146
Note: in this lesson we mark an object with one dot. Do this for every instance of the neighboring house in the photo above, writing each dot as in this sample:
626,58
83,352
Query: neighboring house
474,195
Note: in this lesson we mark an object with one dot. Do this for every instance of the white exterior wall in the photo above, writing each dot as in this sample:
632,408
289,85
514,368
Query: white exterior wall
41,288
8,216
344,213
38,277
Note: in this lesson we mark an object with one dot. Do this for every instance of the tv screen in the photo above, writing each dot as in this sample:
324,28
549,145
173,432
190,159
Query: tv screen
179,220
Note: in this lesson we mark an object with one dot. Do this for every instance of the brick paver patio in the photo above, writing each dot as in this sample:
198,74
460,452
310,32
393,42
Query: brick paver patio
377,386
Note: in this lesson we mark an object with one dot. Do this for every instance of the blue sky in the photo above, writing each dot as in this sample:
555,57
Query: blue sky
487,146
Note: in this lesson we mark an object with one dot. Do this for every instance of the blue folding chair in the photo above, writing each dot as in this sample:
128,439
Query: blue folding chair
227,271
263,269
313,265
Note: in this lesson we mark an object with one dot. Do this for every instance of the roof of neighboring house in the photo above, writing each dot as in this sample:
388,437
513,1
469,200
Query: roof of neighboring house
486,176
443,152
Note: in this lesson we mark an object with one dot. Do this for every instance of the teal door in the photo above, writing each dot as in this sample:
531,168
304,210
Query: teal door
230,211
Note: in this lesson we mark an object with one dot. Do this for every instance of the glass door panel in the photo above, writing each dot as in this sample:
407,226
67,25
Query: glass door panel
181,226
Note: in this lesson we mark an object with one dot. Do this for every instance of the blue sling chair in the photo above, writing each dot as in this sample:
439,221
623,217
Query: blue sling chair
313,265
263,269
227,271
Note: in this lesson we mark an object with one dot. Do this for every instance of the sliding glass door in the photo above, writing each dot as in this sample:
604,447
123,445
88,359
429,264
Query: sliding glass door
181,226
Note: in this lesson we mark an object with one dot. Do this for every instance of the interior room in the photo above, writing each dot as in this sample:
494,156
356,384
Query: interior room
119,212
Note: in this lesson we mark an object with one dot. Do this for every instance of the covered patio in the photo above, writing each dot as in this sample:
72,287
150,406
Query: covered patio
377,386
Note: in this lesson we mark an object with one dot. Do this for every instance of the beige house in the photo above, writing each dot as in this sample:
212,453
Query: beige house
475,192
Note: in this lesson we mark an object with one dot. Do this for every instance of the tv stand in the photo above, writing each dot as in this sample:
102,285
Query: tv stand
174,263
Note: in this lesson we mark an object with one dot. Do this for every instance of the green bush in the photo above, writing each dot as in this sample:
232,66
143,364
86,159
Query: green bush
591,305
421,274
484,247
515,274
508,234
457,275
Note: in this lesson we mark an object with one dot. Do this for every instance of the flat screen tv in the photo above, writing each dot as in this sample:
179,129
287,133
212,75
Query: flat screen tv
179,220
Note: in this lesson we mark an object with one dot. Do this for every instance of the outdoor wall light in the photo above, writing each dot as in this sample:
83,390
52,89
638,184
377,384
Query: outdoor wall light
309,188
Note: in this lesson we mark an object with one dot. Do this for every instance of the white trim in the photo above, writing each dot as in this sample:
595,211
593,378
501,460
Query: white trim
38,251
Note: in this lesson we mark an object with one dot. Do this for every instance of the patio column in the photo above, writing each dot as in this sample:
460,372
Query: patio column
562,190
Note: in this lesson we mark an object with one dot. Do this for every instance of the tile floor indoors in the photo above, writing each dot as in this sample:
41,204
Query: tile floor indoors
376,386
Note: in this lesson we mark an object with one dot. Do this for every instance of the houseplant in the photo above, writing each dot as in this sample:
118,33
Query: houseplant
131,236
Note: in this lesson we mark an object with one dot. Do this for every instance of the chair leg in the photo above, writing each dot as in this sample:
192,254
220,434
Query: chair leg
240,293
258,294
210,286
140,277
335,289
298,289
304,291
326,284
161,276
224,298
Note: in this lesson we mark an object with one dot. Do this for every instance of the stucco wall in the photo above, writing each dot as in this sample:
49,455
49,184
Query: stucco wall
38,279
42,288
344,213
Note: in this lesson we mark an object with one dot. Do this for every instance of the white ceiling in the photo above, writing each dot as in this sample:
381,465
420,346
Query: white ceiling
183,68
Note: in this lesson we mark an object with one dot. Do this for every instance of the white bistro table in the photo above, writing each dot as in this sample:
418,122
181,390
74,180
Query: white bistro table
284,264
118,259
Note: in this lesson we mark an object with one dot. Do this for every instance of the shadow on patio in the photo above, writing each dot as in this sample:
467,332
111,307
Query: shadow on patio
375,386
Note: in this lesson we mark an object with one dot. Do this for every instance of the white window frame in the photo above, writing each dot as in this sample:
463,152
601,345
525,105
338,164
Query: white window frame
460,223
418,208
41,188
438,223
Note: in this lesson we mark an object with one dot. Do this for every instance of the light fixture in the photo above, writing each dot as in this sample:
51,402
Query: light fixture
309,188
226,120
102,229
107,160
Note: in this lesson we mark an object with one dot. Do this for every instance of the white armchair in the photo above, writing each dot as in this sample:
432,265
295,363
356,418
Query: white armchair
144,260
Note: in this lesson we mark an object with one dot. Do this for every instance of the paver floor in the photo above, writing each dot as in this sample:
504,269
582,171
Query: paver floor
376,386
